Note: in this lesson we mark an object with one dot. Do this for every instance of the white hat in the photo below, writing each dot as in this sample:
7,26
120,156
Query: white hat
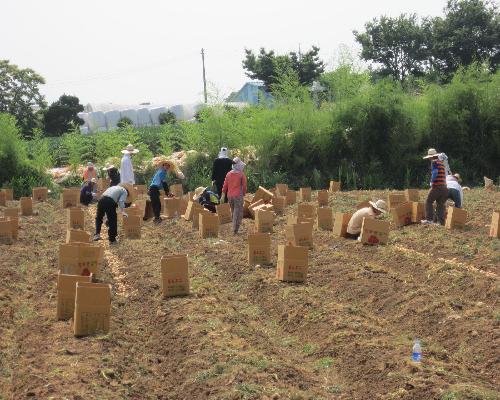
198,192
379,205
431,153
238,164
223,152
130,149
108,166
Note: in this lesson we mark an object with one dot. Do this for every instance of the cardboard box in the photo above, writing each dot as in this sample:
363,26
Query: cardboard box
13,214
176,190
175,275
141,190
305,194
66,293
26,204
77,235
262,194
6,234
264,221
325,218
80,258
412,195
394,199
323,198
3,199
75,218
306,211
291,197
170,207
293,219
208,225
191,206
456,218
340,224
9,194
300,234
334,186
402,214
196,216
254,205
281,189
40,194
14,224
183,203
224,213
134,211
132,227
259,248
292,263
70,198
92,308
374,231
363,204
246,211
495,225
417,212
279,204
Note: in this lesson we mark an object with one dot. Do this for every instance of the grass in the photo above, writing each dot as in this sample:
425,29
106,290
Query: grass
324,363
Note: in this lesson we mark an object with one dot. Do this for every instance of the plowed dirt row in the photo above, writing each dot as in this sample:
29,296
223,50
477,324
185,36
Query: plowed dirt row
344,334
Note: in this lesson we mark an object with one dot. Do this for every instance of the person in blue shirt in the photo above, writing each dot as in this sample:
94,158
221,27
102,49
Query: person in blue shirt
87,193
159,182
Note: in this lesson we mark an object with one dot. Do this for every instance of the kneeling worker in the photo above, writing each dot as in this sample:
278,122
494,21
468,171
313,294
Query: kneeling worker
356,221
113,197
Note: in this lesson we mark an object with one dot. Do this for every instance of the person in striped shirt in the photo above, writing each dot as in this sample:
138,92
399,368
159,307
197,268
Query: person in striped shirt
439,191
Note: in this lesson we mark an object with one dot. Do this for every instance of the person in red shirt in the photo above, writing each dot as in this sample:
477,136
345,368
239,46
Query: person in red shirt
89,173
439,190
235,188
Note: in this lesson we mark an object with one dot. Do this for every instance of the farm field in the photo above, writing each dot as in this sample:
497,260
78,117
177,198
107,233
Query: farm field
347,333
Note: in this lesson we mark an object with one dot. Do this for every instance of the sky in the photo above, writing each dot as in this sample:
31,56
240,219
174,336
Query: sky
131,52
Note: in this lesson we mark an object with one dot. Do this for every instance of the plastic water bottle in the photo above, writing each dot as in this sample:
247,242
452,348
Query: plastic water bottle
417,351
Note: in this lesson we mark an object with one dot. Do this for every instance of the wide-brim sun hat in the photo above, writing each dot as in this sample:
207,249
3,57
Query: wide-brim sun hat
198,192
379,205
130,149
431,153
131,192
108,166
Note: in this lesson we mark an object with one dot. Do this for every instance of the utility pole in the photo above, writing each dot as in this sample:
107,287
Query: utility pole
204,78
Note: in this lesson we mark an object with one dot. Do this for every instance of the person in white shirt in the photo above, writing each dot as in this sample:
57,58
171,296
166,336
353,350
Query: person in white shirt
126,167
113,198
355,223
455,190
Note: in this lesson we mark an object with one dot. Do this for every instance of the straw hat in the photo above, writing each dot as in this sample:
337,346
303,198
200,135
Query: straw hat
130,149
162,160
431,153
131,192
198,192
108,166
459,178
379,205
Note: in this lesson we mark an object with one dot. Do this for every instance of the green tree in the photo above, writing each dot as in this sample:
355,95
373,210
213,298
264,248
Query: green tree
267,66
167,117
62,115
398,45
469,32
124,123
20,95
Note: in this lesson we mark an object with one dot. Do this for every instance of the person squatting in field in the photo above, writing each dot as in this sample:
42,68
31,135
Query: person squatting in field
355,223
113,174
235,188
206,198
113,197
455,190
159,181
222,165
87,193
438,192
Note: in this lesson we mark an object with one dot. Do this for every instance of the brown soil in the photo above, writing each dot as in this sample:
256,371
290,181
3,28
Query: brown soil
346,333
